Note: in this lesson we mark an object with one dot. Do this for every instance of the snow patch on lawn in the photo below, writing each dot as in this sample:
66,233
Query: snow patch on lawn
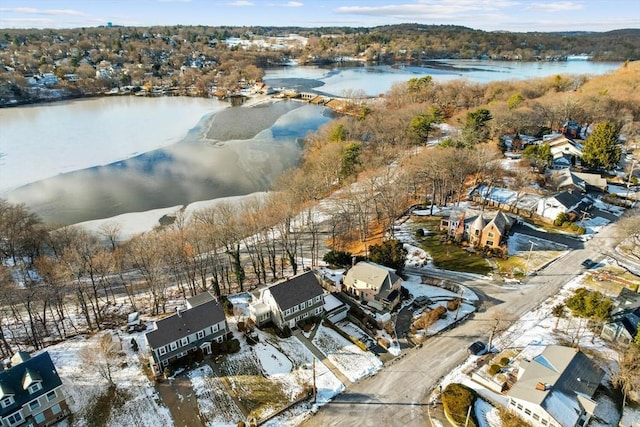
352,362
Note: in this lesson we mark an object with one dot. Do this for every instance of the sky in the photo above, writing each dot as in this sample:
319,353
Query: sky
488,15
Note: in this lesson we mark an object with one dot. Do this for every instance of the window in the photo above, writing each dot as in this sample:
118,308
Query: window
536,416
303,305
39,418
490,234
173,346
15,418
545,422
162,350
34,404
56,409
34,387
51,395
512,402
214,328
184,341
7,401
527,411
489,243
520,406
200,335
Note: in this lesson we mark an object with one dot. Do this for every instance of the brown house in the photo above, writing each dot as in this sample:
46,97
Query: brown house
477,230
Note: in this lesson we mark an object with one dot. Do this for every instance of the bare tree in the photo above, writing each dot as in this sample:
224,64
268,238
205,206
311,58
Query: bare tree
103,358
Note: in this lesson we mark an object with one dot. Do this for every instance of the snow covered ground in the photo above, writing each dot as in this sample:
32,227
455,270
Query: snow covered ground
527,338
83,384
354,363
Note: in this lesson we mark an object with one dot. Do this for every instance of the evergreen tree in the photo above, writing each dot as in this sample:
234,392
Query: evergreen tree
602,149
390,253
475,128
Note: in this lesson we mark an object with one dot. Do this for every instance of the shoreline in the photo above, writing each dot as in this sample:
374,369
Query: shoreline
131,224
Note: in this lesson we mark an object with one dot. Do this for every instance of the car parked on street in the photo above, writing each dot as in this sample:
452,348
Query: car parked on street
478,348
588,263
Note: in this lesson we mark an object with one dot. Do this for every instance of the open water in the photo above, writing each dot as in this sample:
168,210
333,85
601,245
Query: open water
74,161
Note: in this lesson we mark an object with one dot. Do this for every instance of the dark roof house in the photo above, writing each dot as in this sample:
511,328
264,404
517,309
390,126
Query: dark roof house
625,318
187,331
293,300
31,392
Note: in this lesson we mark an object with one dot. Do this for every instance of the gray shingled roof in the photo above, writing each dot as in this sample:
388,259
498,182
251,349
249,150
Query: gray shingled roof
568,199
566,372
298,289
199,299
501,221
11,380
187,322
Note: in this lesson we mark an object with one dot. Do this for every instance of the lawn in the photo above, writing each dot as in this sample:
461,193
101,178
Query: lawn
446,255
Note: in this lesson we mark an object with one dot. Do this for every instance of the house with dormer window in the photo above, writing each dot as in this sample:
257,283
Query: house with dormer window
31,392
187,331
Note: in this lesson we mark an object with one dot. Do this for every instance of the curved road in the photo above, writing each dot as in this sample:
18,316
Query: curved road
399,393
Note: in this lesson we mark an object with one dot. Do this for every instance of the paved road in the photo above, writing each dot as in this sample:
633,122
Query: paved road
399,394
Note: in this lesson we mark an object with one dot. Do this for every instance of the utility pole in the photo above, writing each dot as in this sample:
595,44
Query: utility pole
633,165
526,267
459,304
314,380
493,332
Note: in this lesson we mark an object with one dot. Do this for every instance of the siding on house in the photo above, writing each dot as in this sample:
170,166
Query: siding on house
31,392
295,299
184,332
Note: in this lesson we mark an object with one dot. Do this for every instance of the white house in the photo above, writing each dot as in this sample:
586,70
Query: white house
556,388
373,284
565,202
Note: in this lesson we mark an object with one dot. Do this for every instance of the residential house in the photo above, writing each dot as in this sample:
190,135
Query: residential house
187,331
625,318
294,299
565,152
572,129
566,179
479,231
564,202
373,284
556,388
31,392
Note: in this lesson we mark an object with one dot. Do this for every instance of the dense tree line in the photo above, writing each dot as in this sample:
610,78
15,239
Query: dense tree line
196,59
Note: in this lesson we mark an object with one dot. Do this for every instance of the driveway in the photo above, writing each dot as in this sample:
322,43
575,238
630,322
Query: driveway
400,393
178,395
570,242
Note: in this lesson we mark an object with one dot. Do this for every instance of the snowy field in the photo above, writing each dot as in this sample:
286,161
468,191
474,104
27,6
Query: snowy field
83,385
522,243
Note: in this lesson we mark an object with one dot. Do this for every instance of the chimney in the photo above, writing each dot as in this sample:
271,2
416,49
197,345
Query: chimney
178,312
542,386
